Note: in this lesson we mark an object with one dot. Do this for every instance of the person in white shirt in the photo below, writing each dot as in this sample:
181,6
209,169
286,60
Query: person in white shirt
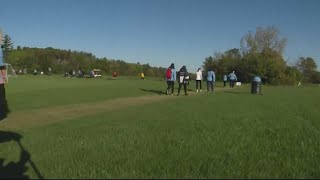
199,79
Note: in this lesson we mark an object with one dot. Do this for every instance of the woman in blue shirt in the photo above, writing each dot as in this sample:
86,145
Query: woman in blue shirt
211,79
233,79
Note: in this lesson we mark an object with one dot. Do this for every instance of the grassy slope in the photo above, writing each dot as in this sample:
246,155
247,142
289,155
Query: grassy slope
227,134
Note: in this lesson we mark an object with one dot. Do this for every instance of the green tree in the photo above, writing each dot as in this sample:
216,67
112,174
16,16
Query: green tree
307,67
7,46
211,62
230,61
292,76
263,39
316,77
262,54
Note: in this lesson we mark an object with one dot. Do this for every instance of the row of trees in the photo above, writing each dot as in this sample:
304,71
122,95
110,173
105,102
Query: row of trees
61,61
260,54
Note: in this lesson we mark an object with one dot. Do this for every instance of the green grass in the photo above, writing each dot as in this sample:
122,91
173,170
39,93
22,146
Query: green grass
228,134
30,92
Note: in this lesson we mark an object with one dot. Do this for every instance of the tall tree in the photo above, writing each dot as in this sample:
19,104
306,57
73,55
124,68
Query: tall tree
262,52
264,39
7,46
307,67
230,61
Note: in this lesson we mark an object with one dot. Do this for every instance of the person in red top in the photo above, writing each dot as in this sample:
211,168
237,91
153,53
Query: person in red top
114,75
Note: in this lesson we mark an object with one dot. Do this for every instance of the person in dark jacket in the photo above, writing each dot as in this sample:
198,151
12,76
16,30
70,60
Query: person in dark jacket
183,80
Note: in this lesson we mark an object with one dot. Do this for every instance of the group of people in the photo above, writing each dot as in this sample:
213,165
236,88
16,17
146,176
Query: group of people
81,74
183,79
211,78
232,79
35,71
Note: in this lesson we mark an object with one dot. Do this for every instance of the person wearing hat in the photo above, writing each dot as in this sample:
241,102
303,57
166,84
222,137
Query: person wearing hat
3,78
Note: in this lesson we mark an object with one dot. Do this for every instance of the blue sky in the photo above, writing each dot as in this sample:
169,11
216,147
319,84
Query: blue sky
160,32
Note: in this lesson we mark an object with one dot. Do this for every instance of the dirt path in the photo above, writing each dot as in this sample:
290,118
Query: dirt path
44,116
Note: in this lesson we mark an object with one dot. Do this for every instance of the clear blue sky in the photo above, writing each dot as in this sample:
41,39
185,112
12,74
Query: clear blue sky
159,32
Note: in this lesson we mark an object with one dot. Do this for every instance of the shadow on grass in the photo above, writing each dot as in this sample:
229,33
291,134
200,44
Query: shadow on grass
236,92
153,91
240,92
16,170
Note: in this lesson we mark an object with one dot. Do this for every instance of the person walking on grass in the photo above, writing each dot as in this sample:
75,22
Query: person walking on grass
199,80
232,79
171,78
211,78
183,80
4,110
225,79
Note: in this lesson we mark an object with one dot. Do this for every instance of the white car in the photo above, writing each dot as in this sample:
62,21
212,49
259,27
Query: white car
96,73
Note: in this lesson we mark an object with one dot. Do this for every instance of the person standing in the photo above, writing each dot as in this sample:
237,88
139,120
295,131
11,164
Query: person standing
211,78
232,79
225,79
49,71
80,74
183,80
114,75
171,78
73,73
199,79
3,78
142,76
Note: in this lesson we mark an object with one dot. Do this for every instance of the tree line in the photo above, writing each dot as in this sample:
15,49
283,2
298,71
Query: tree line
61,61
260,53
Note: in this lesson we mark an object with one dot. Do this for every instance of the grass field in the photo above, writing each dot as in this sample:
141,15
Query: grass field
100,128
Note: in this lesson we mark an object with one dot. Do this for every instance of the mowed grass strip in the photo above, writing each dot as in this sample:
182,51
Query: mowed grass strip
230,134
33,92
44,116
57,105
